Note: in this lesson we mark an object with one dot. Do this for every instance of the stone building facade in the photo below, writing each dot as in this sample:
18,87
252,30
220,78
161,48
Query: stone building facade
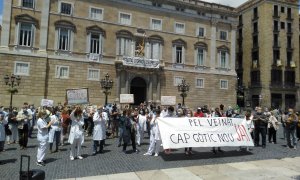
146,46
268,53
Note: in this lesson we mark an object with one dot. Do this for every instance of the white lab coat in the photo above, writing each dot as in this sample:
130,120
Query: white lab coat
56,126
99,127
155,129
42,137
76,131
42,134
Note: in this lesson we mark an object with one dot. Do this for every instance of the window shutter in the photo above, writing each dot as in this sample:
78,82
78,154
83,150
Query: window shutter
156,51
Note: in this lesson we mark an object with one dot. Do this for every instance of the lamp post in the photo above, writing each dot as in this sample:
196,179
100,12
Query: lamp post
106,85
183,88
12,81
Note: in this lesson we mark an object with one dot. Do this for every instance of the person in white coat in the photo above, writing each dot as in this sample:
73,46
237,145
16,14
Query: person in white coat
76,137
141,125
55,131
42,136
99,133
3,122
155,139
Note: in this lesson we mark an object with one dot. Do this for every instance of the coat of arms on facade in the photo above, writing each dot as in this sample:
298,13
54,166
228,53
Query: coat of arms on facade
140,46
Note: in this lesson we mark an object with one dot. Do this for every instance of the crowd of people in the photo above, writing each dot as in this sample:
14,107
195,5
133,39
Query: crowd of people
129,125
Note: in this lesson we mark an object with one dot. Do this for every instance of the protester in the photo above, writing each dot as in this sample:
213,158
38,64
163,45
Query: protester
129,132
55,129
23,118
155,139
42,136
141,126
298,128
189,113
65,122
291,124
170,114
76,137
3,122
273,126
199,113
284,117
217,113
122,121
99,133
260,124
31,110
13,127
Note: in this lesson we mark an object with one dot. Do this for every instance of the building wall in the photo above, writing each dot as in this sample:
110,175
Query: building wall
43,83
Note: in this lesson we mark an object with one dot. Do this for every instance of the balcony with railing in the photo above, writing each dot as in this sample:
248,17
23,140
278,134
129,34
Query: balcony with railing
139,62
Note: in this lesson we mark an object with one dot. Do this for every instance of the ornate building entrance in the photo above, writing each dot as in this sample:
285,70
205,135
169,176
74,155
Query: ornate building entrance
138,87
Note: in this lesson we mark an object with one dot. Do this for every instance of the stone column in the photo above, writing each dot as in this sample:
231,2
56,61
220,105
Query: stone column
118,85
150,91
233,46
214,23
6,20
158,90
44,26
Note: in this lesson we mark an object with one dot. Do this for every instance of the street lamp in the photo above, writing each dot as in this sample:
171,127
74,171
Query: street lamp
12,81
183,88
106,85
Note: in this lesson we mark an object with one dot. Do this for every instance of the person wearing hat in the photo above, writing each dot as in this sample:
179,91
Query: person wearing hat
198,113
260,123
42,136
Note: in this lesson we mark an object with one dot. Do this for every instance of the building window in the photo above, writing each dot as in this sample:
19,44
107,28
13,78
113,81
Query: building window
255,13
289,13
177,80
93,74
156,24
223,35
125,18
289,27
155,50
276,26
124,46
65,8
28,3
179,54
199,83
276,14
64,39
26,34
96,14
223,84
255,27
282,25
200,56
282,9
22,68
255,41
95,43
223,59
62,72
201,32
179,28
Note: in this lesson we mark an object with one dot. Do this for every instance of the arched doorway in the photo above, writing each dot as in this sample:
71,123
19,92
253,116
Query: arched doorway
138,87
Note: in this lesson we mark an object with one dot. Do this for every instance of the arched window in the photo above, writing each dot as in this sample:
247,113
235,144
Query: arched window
95,37
154,47
25,30
200,53
64,35
223,57
179,47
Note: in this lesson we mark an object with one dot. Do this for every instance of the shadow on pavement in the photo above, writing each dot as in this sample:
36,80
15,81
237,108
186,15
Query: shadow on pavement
10,149
7,161
32,146
50,160
202,155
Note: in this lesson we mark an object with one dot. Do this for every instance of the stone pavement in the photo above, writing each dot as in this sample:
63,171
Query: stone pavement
276,169
114,161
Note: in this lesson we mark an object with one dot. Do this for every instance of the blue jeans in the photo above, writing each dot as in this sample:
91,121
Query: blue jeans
96,144
291,132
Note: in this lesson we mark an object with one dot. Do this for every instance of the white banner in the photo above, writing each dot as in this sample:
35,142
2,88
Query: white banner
126,98
168,100
204,132
47,102
78,96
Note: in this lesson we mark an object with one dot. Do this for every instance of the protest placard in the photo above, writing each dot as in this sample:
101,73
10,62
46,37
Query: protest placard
203,132
168,100
77,96
47,103
126,98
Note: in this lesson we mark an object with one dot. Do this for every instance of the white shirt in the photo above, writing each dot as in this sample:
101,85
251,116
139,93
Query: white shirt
42,130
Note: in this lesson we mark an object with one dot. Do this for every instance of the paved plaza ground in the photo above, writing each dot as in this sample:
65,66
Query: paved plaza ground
114,161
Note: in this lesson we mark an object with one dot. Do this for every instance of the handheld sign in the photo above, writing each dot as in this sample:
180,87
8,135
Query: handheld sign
77,96
47,102
126,98
168,100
